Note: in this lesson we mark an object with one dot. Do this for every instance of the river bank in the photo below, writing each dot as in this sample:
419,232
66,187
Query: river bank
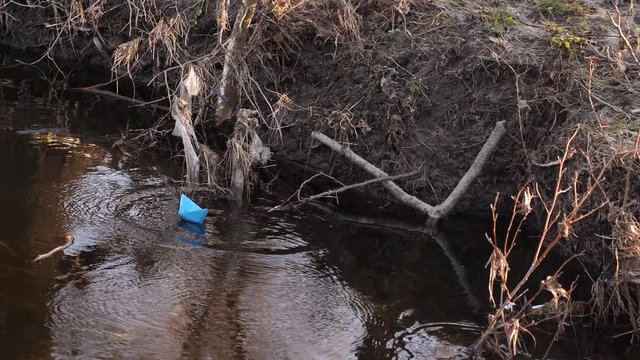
410,86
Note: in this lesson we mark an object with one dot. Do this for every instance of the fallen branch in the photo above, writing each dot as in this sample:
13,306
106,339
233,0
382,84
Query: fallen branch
474,171
394,189
434,212
69,242
121,97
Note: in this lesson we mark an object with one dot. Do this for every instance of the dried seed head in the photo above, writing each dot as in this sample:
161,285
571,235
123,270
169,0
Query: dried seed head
525,203
126,54
564,228
512,332
552,285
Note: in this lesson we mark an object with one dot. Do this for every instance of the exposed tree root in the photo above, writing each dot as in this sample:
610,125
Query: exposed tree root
235,50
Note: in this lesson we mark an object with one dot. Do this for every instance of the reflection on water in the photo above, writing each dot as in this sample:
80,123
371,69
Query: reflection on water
139,284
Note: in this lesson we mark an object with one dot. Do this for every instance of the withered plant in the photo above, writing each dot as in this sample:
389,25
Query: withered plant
577,195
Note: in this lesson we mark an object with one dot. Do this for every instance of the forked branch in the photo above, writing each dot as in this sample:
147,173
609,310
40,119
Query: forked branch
434,212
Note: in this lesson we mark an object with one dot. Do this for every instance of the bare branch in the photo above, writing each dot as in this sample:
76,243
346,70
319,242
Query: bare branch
434,212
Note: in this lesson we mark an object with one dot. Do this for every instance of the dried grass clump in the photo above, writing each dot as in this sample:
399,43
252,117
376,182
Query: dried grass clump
169,33
597,85
337,20
575,198
342,125
222,18
627,247
212,163
616,298
126,56
244,150
282,106
280,8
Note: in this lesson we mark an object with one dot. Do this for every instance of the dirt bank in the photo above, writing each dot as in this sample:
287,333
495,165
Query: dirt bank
409,85
407,88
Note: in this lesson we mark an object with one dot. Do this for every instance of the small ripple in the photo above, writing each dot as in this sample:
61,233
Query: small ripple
435,334
434,340
255,231
292,309
149,208
154,299
103,195
113,309
91,198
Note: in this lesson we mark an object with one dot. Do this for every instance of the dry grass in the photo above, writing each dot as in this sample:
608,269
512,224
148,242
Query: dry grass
574,199
126,56
169,33
245,150
280,109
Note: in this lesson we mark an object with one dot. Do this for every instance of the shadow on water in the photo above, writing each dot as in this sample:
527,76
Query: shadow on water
138,283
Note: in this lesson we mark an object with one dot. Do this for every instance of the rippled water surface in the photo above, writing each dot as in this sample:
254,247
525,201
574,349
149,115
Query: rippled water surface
251,284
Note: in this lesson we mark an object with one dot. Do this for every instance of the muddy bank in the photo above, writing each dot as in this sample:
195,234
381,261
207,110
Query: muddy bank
411,85
408,85
402,104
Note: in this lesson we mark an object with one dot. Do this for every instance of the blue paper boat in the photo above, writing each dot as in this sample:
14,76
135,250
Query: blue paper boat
190,211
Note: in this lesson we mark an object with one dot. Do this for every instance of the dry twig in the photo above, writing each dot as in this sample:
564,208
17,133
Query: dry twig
69,241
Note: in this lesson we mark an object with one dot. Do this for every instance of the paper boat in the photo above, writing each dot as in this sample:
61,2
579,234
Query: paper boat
190,211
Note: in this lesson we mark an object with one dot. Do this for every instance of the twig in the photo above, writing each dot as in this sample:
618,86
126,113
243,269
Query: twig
121,97
618,25
357,185
614,107
549,164
553,163
69,242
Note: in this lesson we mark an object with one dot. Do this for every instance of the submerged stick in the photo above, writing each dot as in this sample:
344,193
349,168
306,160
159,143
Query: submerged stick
434,212
69,242
439,237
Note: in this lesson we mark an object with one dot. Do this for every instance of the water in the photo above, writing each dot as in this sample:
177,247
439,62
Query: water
252,284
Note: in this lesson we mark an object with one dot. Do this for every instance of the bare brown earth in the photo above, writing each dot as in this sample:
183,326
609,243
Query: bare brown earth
408,84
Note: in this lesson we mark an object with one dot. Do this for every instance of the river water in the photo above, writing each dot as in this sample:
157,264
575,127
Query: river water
251,284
